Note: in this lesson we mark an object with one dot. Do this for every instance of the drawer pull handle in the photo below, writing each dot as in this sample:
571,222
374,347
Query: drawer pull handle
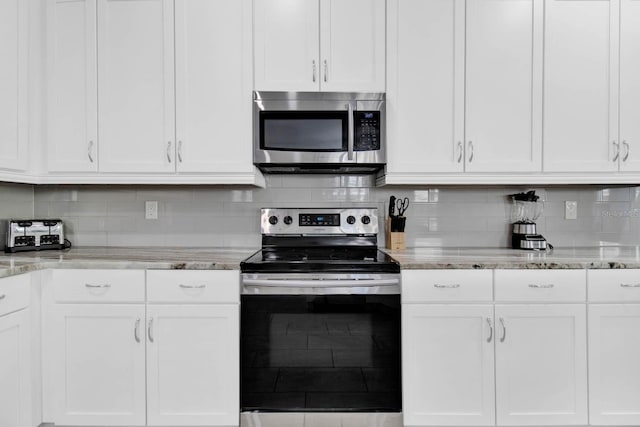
490,330
452,286
3,296
136,331
622,285
549,286
106,286
504,330
193,286
150,330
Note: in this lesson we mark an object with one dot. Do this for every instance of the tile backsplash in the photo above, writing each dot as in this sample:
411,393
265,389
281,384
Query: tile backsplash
228,216
16,201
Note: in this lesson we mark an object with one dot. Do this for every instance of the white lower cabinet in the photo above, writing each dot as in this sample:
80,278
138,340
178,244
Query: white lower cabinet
15,377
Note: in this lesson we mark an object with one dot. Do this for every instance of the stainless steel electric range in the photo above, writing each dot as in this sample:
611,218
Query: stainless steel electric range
320,315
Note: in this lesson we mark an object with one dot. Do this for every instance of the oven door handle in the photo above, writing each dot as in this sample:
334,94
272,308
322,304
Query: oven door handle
364,283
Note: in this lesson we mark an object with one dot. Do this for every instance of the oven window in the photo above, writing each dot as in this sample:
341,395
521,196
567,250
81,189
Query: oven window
320,353
303,130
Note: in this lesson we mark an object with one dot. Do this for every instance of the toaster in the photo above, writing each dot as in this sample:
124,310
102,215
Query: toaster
34,235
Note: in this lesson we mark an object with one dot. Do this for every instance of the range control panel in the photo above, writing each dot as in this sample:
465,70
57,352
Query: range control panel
319,221
367,126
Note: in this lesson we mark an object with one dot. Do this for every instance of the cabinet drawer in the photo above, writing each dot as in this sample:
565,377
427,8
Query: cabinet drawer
614,285
197,286
14,293
540,285
424,286
98,286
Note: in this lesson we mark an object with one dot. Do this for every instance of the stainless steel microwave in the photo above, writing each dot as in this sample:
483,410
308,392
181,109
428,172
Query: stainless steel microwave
319,132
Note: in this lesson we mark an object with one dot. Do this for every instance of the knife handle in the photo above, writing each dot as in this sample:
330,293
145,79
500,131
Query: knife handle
392,205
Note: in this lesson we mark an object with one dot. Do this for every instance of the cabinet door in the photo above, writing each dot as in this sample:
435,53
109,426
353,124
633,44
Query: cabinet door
213,86
15,370
136,86
541,364
287,45
99,360
425,96
72,131
581,86
614,374
447,362
504,85
13,85
629,85
193,371
352,45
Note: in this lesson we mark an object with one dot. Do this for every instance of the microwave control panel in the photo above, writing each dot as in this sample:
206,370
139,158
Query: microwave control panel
367,129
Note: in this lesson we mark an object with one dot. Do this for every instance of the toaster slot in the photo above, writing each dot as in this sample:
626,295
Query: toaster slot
24,241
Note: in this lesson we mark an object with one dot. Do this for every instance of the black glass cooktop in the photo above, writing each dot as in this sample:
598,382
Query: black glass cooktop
340,259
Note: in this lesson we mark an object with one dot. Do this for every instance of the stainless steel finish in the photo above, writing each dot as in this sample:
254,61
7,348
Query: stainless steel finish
470,144
504,330
37,230
490,329
369,419
460,151
625,144
350,141
314,70
180,151
629,285
287,161
150,330
548,286
617,147
319,284
524,228
280,228
88,285
169,151
326,71
533,244
452,286
136,330
90,151
192,286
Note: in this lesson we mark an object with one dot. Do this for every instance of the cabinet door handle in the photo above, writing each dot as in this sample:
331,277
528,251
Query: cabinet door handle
504,330
351,132
105,286
622,285
136,331
150,330
169,151
313,64
490,329
550,285
470,145
625,144
90,151
192,286
180,151
451,286
326,71
617,148
460,150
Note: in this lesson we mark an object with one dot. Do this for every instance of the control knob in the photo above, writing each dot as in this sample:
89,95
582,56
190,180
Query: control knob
273,220
288,220
365,219
351,219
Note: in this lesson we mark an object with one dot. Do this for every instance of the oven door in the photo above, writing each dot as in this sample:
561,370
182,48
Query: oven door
320,347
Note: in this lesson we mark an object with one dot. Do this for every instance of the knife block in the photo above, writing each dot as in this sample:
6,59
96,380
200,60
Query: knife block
395,239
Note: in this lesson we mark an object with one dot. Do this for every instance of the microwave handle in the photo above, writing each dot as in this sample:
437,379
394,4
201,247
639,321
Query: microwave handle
350,140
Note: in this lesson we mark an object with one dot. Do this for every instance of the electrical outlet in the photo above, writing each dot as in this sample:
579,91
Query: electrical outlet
151,209
570,209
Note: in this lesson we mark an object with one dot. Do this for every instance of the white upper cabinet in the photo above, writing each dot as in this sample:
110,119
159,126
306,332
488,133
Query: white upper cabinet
136,105
213,86
327,45
581,86
503,106
72,122
464,87
13,85
629,85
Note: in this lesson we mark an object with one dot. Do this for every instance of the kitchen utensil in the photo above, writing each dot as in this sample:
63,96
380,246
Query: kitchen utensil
392,205
525,210
403,205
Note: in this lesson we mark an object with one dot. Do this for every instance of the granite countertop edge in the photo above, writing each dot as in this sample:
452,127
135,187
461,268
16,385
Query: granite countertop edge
177,258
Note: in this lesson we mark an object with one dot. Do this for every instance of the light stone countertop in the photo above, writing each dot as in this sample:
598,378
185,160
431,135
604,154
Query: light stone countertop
170,258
